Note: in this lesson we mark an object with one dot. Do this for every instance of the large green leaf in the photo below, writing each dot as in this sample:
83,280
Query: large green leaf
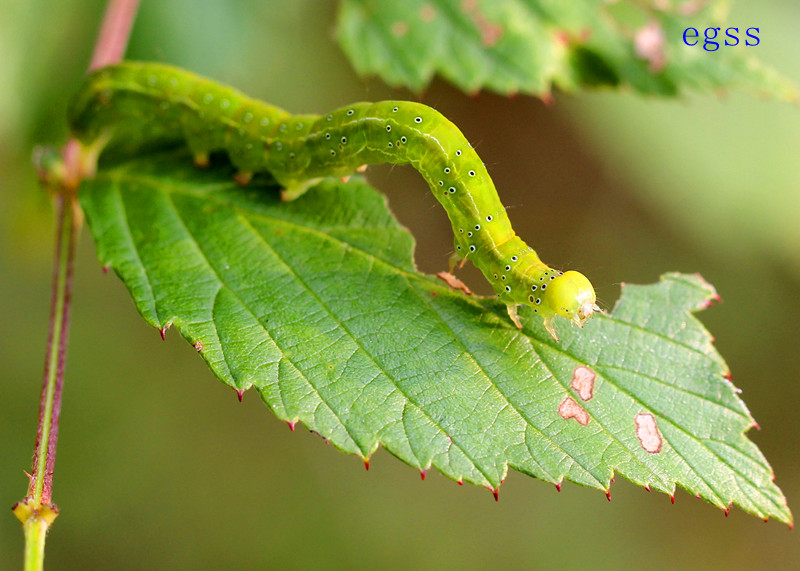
530,46
317,305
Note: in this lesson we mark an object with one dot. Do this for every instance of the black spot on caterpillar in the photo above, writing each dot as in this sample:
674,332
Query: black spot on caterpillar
300,150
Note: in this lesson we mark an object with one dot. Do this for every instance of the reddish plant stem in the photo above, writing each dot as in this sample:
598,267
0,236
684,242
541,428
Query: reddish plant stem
69,223
110,47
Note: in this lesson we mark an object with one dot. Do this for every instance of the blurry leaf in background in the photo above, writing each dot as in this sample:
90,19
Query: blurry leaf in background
529,46
725,170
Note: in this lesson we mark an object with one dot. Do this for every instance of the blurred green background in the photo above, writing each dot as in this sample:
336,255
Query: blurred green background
159,465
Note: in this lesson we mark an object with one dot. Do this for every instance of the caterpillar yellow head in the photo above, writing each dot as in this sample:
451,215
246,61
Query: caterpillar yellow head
571,295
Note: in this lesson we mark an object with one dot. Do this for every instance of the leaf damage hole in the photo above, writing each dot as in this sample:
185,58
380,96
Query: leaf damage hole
647,433
583,382
569,408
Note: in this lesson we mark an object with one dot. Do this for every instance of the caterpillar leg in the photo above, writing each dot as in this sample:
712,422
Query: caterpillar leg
456,260
548,324
512,313
295,190
201,160
243,178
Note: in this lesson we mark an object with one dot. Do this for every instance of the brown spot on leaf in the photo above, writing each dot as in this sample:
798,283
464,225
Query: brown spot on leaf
399,29
490,33
649,44
427,13
198,345
647,433
454,282
583,382
569,408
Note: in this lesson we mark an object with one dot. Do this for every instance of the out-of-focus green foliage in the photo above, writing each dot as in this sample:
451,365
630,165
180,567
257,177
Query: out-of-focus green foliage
529,46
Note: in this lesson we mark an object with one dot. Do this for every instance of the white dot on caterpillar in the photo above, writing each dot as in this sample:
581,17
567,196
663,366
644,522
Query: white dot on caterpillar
472,248
291,155
441,183
502,277
508,288
299,127
533,287
403,139
417,119
333,153
208,98
514,258
477,227
452,190
469,234
538,300
279,145
224,104
488,218
388,128
446,170
390,144
264,122
328,136
508,268
329,118
461,230
458,153
395,110
544,287
350,112
344,140
471,173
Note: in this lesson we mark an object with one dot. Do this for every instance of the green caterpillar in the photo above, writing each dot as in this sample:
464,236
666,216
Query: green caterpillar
300,150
